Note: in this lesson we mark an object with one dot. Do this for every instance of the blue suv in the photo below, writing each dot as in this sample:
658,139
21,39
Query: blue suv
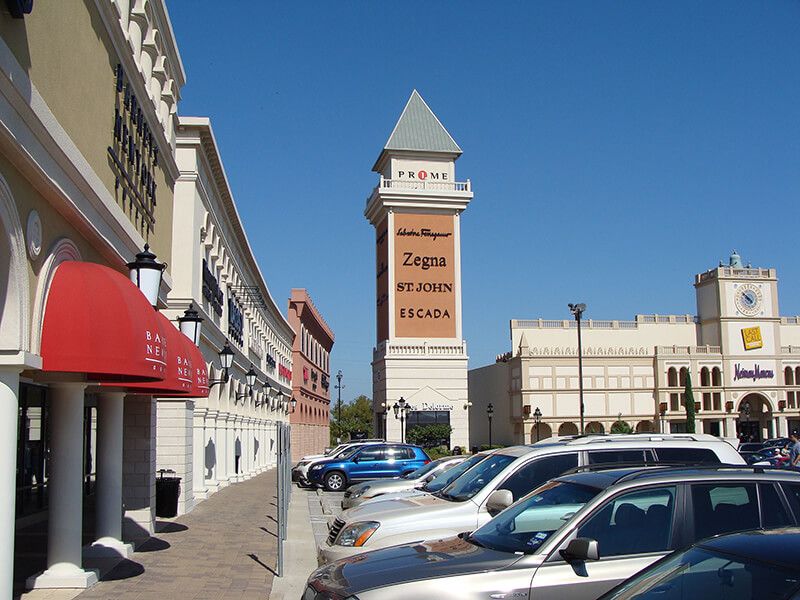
373,461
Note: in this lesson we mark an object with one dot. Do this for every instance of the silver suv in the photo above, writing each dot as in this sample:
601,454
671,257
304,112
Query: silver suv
574,537
503,477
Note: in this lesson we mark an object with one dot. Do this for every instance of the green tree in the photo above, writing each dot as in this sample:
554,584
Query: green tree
621,426
356,417
688,400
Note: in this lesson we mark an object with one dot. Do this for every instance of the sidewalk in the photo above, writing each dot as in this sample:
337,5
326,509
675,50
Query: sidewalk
226,548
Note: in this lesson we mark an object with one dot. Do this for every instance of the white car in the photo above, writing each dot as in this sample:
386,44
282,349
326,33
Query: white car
503,477
374,489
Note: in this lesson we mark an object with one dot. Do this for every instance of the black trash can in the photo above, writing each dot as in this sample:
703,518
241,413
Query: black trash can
168,490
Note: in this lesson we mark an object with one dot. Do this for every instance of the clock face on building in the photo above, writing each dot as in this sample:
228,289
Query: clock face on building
748,299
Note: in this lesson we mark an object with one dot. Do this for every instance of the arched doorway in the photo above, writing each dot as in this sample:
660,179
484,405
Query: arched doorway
645,427
544,432
755,418
594,427
568,429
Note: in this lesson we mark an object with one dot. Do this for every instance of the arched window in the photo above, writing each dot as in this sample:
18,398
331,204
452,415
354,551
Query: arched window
682,376
788,374
705,379
716,377
672,377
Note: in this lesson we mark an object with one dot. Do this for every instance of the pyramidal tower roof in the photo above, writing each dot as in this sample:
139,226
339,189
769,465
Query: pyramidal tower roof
419,129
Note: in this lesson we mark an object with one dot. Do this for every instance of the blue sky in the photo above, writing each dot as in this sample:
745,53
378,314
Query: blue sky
615,149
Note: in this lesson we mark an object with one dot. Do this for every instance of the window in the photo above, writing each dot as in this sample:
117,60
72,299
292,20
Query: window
688,455
773,513
401,453
724,508
372,454
537,472
619,456
633,523
705,378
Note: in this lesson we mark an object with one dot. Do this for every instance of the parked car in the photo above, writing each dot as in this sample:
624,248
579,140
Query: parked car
438,483
300,470
573,538
376,488
372,461
504,476
764,458
753,564
751,447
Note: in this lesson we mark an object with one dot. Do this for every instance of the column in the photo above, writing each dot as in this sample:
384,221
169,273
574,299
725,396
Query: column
9,415
199,454
211,451
108,526
65,486
223,450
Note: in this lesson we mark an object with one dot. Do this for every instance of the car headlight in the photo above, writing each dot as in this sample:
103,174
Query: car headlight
357,534
359,492
316,467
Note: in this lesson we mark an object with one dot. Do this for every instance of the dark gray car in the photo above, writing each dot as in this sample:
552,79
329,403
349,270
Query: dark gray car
574,537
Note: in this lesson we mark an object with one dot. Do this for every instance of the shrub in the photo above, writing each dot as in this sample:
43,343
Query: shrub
428,436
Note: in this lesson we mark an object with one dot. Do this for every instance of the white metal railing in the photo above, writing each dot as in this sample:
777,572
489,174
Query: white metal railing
688,350
589,323
424,349
422,184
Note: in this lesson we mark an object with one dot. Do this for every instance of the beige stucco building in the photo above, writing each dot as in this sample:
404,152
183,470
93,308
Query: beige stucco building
742,356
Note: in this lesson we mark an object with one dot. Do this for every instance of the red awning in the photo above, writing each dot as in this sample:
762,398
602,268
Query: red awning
97,322
180,374
200,379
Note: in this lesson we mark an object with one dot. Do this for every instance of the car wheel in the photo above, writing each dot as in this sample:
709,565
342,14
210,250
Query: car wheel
335,481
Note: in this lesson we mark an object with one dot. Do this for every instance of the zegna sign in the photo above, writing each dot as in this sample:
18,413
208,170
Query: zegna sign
424,266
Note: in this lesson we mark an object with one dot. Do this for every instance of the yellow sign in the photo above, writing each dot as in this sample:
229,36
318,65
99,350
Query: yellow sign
752,338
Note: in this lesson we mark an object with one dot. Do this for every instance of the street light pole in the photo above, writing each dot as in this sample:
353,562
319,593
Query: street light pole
537,418
490,414
339,387
577,310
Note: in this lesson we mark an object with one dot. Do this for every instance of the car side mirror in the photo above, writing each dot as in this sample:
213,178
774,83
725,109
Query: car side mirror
499,500
580,549
355,459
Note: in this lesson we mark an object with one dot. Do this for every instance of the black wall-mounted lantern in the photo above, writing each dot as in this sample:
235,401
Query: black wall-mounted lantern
146,273
190,324
225,360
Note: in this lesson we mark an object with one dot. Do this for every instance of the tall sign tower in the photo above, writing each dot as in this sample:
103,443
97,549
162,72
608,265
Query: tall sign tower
420,355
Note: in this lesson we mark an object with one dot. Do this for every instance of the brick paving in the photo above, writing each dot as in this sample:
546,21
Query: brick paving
225,548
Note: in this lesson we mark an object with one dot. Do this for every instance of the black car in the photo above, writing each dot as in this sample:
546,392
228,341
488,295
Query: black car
750,565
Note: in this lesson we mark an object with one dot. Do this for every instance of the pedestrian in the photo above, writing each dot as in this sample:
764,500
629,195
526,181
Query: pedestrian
794,449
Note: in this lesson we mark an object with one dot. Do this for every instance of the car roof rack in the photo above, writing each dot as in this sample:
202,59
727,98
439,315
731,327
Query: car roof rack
760,469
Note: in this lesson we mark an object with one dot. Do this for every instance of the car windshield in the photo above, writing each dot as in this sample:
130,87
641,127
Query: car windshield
442,480
346,453
527,524
424,469
473,481
712,574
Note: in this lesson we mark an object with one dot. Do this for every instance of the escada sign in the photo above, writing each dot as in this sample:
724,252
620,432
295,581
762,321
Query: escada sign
755,373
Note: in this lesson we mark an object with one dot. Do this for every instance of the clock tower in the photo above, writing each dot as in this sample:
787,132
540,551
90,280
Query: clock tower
420,354
737,309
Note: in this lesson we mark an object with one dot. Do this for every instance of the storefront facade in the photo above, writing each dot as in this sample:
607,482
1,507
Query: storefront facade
88,98
311,379
230,435
420,361
741,356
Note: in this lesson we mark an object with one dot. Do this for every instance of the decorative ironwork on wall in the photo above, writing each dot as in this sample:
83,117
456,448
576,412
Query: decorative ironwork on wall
211,290
325,383
249,296
134,154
